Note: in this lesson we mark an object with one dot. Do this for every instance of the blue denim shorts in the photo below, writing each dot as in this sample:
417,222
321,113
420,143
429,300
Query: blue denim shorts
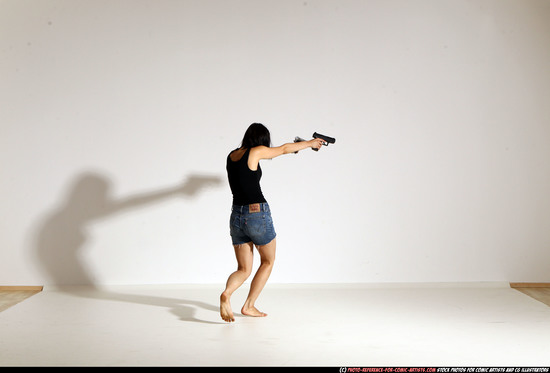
246,226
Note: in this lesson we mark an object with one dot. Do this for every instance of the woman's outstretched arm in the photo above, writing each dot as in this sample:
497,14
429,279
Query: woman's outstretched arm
264,152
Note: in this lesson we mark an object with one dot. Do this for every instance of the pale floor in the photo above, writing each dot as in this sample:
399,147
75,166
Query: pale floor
308,325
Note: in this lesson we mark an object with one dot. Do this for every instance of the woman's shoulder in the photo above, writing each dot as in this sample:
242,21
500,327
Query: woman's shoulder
258,148
237,154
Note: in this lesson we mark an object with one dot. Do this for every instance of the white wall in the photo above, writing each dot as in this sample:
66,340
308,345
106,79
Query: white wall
441,111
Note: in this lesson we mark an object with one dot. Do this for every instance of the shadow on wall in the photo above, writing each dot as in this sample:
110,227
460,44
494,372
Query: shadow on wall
63,233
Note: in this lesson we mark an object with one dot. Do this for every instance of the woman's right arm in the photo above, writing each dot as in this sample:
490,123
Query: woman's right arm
264,152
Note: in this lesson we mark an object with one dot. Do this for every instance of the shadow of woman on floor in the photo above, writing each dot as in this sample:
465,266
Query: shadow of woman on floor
183,309
62,236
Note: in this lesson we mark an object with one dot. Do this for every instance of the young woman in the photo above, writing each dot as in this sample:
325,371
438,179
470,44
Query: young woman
250,223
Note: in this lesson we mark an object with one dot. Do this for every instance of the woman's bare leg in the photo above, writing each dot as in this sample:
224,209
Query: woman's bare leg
244,254
267,255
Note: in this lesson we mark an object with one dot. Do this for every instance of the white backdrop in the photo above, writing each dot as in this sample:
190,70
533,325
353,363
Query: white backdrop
117,117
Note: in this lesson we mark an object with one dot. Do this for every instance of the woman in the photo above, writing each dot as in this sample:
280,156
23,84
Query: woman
251,222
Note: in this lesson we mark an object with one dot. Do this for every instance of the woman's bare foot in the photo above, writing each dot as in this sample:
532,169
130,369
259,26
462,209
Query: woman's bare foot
225,308
252,311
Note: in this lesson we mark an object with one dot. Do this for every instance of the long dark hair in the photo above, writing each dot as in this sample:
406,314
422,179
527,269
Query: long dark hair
257,134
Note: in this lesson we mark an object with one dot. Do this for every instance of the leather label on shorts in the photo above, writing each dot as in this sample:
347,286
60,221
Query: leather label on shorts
254,207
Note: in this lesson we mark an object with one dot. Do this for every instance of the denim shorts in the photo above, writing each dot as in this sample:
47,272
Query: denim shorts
246,226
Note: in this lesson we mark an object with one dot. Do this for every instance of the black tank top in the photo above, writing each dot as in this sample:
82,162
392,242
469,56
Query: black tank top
244,183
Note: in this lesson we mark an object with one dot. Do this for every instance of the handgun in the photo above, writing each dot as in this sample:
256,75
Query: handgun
327,140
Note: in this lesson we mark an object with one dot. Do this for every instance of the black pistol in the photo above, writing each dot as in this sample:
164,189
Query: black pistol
327,140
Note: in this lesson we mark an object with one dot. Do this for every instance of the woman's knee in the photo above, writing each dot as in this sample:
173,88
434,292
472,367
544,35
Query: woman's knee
267,262
244,258
245,269
267,253
268,258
